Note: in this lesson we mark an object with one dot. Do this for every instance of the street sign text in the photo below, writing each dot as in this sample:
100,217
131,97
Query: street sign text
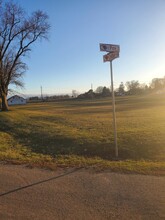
110,56
109,48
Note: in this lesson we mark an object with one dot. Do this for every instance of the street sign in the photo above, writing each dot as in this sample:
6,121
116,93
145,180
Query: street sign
110,56
113,54
109,47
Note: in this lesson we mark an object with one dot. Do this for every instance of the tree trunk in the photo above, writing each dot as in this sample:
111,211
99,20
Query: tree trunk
5,106
0,103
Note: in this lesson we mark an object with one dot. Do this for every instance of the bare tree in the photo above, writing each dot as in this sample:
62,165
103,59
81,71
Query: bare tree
158,83
121,88
18,32
99,89
133,87
74,93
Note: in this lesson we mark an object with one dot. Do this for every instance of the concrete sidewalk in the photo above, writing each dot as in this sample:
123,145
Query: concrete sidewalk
34,194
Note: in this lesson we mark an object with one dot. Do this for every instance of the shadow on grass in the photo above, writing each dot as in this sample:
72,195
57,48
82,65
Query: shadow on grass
43,141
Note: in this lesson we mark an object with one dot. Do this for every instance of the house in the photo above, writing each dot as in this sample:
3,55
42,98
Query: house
16,100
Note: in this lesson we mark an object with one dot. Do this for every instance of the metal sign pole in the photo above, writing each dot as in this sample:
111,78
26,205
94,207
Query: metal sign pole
113,53
114,113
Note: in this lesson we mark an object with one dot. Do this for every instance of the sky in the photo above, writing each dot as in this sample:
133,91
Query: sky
71,59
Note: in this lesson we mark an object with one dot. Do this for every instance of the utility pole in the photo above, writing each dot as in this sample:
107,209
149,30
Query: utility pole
41,94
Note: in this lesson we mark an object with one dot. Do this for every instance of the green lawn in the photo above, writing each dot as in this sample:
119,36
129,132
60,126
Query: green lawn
84,129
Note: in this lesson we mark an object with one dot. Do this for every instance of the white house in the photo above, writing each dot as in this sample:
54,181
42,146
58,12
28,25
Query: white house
16,100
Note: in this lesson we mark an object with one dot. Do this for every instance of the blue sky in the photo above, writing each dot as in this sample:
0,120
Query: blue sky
71,59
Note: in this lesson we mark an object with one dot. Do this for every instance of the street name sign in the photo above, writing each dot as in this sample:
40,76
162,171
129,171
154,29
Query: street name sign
110,56
109,48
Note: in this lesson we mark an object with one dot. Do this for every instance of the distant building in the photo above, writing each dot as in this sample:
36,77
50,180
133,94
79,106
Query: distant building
16,100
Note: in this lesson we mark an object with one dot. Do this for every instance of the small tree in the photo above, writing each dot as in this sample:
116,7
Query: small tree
18,32
106,91
99,89
74,94
133,87
158,83
121,88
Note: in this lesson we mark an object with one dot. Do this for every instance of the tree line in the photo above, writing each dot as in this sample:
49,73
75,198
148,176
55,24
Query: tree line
133,87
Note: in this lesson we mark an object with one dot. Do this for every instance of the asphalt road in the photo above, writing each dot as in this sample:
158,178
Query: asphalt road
79,195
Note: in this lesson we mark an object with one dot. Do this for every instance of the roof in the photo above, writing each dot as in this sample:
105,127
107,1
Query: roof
15,96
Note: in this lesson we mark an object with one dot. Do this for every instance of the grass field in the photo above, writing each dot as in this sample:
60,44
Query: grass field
84,129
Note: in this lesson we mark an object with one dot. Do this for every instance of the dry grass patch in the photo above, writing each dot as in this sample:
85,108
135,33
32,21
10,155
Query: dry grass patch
51,133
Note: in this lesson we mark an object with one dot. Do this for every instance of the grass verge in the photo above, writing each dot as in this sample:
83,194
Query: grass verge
25,156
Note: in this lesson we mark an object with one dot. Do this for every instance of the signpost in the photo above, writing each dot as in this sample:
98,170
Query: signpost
113,53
